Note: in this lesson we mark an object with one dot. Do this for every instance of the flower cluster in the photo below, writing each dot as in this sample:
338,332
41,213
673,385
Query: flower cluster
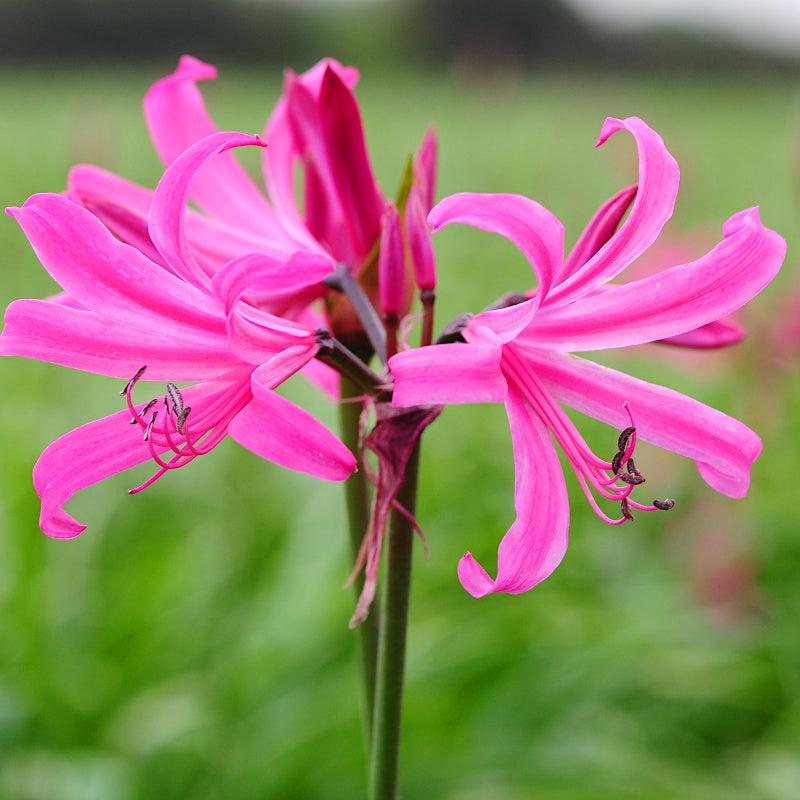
252,287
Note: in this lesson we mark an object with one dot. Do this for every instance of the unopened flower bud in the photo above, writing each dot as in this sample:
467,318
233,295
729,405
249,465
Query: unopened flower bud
391,263
419,241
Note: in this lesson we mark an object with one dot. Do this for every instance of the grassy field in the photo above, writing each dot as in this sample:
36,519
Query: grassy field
194,643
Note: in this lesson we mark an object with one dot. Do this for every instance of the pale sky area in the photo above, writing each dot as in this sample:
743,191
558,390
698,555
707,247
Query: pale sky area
765,23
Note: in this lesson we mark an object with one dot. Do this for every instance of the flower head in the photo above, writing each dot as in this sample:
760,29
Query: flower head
122,309
521,354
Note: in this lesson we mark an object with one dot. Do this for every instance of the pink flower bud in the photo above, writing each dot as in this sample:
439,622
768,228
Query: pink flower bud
391,263
419,241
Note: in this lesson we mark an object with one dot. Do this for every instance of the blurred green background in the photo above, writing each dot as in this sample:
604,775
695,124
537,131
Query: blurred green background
194,643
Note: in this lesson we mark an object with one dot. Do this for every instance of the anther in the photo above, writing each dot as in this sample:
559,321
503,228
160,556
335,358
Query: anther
633,471
616,462
664,505
150,425
626,509
181,419
452,331
177,399
622,442
632,479
133,380
144,411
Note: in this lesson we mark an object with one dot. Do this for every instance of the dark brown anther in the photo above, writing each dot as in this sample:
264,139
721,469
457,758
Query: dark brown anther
150,426
622,442
181,419
129,385
616,462
507,300
633,471
664,505
177,399
626,509
452,331
631,479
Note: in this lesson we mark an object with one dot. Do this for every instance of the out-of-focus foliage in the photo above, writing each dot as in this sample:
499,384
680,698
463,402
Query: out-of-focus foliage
193,642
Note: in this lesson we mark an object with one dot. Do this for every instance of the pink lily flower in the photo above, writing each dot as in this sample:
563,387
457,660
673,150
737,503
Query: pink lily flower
316,124
122,309
522,355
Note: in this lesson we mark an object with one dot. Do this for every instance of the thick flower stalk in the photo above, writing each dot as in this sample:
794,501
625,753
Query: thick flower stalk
164,317
521,353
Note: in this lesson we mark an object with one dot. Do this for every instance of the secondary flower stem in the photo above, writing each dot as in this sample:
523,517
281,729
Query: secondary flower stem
392,641
344,281
356,492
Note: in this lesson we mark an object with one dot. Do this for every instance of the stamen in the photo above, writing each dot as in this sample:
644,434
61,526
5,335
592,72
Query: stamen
132,382
626,509
631,479
181,419
150,424
664,505
622,442
177,399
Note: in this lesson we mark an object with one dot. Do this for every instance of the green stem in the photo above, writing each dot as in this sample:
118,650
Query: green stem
357,499
392,642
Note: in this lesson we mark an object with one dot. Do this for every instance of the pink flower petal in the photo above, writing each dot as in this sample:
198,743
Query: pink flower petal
109,277
655,199
256,336
723,447
80,458
600,229
673,301
122,206
506,323
348,161
72,337
279,431
168,208
448,373
177,118
720,333
530,226
535,544
264,279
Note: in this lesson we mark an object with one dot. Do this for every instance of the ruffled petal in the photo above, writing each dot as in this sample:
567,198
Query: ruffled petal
168,209
80,458
673,301
177,118
535,544
281,432
57,333
108,276
448,373
530,226
655,200
723,448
